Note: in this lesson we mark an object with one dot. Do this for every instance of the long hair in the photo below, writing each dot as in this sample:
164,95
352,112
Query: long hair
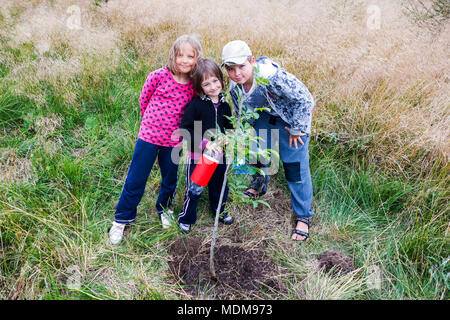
186,38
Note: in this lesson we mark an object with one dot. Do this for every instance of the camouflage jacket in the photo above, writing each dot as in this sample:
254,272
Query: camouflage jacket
285,95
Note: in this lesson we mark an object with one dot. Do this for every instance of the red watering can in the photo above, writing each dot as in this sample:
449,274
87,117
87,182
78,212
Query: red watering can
204,170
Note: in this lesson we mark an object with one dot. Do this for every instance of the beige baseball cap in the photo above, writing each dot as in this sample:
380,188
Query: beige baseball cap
235,52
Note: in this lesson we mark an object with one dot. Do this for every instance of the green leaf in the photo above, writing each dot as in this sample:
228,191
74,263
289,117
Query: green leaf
264,203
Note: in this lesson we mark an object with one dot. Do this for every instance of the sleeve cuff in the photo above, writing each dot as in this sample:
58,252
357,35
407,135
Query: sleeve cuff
295,132
204,143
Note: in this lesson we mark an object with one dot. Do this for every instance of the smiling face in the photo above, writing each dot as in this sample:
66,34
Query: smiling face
185,59
242,73
212,87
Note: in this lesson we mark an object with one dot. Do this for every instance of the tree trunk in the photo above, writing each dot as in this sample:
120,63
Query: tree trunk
216,225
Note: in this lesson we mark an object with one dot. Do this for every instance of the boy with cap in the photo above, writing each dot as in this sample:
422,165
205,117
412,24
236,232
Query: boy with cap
290,105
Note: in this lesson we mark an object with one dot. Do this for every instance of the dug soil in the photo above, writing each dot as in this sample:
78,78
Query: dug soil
336,262
240,273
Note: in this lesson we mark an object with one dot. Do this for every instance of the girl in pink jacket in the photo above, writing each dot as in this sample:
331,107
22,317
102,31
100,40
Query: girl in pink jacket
165,95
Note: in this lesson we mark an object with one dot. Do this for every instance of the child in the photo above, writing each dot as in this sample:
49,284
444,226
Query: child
210,108
290,105
165,94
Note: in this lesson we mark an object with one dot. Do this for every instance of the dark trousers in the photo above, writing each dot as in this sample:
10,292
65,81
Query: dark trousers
144,157
193,192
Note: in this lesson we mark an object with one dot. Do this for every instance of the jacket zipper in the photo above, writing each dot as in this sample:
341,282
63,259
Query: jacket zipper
215,109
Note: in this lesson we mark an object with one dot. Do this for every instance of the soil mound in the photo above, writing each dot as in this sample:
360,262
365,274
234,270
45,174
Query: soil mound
336,261
241,273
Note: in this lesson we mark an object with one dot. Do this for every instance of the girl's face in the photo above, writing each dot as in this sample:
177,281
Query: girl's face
185,58
212,87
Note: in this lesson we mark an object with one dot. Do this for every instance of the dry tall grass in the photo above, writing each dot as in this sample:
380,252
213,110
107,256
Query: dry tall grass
381,85
381,92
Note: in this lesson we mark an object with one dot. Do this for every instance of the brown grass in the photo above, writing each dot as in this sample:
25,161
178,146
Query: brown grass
385,89
15,169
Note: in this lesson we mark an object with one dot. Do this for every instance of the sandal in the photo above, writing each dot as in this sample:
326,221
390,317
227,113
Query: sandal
250,194
301,233
258,183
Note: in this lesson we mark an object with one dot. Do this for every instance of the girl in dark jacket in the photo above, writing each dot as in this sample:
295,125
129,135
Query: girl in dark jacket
205,112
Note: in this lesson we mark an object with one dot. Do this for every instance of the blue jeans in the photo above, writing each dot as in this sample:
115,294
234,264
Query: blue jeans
193,192
144,157
295,162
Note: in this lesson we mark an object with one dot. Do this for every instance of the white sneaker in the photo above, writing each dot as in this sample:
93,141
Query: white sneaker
116,232
166,218
186,228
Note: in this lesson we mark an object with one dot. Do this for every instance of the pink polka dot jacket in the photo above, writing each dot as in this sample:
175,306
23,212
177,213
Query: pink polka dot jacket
162,102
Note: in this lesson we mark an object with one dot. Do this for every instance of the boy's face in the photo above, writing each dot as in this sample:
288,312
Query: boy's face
241,73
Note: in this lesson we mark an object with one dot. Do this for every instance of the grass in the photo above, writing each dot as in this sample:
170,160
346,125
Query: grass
69,121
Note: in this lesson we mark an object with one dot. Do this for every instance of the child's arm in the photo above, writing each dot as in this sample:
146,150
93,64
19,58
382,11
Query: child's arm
299,100
188,123
148,89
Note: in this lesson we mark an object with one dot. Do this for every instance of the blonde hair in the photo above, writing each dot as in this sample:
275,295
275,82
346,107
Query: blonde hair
186,38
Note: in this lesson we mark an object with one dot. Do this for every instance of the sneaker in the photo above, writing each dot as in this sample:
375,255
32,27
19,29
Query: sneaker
227,219
116,232
166,218
185,228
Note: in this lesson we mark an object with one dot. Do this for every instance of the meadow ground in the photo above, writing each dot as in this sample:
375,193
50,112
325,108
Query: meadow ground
69,117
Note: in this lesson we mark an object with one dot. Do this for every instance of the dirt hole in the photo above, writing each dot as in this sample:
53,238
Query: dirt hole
241,273
335,261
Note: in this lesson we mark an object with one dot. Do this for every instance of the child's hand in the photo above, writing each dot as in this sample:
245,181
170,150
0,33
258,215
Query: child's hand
295,138
223,140
213,147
